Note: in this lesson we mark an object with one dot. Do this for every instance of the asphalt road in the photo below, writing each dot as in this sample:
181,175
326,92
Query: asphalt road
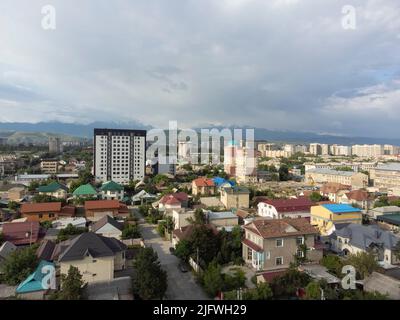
181,286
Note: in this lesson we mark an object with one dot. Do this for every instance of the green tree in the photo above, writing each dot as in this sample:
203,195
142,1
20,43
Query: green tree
150,280
333,263
213,279
72,285
19,265
69,231
284,172
364,262
315,197
262,292
199,217
206,242
183,250
286,285
130,231
12,205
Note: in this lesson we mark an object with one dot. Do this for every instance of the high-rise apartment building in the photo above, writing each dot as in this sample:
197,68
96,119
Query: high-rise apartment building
55,145
119,155
366,150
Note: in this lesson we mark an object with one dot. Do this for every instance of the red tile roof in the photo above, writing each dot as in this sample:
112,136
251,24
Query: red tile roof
359,195
290,205
271,275
252,245
68,211
274,228
174,198
41,207
186,232
18,233
204,182
102,204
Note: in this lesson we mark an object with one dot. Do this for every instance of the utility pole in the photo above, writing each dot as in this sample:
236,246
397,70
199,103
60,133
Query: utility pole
30,239
198,266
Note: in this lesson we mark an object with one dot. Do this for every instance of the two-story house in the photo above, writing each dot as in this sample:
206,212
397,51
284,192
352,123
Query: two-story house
272,244
281,208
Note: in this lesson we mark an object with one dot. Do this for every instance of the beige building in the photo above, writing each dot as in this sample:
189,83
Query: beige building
223,220
240,162
368,151
16,193
49,166
181,217
95,256
356,180
387,177
272,244
235,197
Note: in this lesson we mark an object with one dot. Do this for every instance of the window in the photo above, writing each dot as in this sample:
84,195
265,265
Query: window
300,253
279,261
299,240
249,254
267,255
40,216
279,242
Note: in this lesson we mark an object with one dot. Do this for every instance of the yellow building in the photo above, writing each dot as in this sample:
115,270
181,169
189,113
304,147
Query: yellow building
325,216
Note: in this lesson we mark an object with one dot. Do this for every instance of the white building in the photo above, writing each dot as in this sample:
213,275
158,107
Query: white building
119,155
366,150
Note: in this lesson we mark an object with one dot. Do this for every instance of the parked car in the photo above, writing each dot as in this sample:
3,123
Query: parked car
182,266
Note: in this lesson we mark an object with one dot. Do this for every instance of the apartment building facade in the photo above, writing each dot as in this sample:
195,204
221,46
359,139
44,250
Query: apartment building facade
320,176
387,177
119,155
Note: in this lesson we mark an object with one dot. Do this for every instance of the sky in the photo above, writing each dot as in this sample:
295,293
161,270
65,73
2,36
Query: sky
276,64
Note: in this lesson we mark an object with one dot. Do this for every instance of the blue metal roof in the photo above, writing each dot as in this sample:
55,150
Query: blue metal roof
340,208
220,181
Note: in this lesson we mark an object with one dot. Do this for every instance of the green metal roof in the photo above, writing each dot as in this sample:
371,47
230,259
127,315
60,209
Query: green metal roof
34,281
111,186
52,187
85,190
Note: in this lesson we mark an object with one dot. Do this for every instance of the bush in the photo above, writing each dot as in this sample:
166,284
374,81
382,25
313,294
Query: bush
131,231
69,231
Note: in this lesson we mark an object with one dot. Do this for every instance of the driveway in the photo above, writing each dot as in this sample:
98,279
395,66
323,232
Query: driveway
181,286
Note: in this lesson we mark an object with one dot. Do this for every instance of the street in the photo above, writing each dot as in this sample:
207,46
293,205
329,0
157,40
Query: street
181,286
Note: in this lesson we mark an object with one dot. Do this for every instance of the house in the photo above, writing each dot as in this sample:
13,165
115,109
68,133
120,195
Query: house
331,190
174,201
359,198
376,212
5,249
97,209
326,216
235,197
77,222
281,208
96,257
143,197
181,216
85,191
21,233
46,211
34,287
222,220
272,244
112,191
54,189
203,186
184,233
221,183
390,221
354,238
108,227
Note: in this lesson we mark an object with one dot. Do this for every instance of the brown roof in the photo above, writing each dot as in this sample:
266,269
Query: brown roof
271,275
204,182
102,204
252,245
333,187
290,205
18,233
273,228
359,195
185,232
41,207
174,198
68,211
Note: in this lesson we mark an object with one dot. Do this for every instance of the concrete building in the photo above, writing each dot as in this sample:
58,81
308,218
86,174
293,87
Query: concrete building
222,220
119,155
55,145
356,180
368,151
235,197
315,149
387,177
285,208
339,150
240,162
49,166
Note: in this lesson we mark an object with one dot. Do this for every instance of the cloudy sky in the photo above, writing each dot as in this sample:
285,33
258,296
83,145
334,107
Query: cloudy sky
276,64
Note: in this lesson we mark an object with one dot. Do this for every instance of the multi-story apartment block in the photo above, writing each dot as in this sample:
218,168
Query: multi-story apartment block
49,166
366,150
119,155
55,145
387,177
337,150
272,244
356,180
240,162
315,149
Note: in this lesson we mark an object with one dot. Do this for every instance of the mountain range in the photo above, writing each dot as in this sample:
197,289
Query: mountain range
21,132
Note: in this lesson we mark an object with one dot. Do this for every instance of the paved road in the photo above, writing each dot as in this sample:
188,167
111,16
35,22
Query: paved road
181,286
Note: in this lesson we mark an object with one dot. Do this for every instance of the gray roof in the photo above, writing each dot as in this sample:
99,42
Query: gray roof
331,171
6,248
391,166
105,220
387,209
221,215
93,244
362,236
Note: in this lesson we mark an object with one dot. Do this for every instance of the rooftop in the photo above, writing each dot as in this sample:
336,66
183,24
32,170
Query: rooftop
85,190
290,205
390,218
52,187
340,208
102,204
111,186
221,215
41,207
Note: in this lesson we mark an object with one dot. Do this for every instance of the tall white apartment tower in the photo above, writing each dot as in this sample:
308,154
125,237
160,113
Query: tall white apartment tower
119,155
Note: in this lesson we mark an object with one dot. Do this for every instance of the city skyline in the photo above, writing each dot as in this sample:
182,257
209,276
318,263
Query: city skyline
281,65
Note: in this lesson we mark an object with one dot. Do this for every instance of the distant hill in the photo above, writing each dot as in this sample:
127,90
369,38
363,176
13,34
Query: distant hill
39,132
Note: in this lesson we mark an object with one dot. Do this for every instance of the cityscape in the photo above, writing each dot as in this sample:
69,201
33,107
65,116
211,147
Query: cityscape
165,159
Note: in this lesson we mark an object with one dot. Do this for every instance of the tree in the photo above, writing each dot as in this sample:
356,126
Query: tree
199,218
12,205
262,292
286,285
149,281
333,263
183,250
19,265
315,197
130,231
212,279
284,172
69,231
205,241
72,285
315,289
364,262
